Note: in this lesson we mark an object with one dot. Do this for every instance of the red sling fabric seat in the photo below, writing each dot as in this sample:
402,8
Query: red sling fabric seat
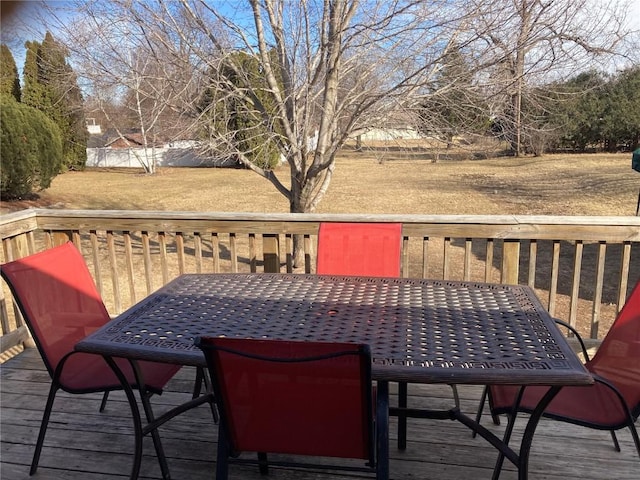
612,402
296,398
367,249
60,304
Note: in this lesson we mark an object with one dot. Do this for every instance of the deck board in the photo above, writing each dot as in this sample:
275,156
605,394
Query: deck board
82,443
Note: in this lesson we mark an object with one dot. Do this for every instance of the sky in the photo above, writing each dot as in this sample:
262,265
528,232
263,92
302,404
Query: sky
16,17
22,21
635,14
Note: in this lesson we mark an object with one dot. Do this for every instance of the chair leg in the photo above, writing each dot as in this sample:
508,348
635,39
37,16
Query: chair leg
616,445
157,443
43,426
222,460
103,404
483,399
263,464
200,378
456,396
634,435
382,431
497,469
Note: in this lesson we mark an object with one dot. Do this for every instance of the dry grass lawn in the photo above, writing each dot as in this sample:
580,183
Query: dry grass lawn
370,182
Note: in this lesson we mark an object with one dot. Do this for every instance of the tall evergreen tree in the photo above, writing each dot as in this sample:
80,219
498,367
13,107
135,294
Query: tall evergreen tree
596,110
580,118
621,112
241,118
9,80
34,91
51,86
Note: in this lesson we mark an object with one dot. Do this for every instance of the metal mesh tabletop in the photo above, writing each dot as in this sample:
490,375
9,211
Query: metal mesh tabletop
418,330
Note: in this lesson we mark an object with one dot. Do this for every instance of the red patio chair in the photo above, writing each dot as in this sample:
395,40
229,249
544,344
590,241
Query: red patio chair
296,398
367,249
61,305
611,403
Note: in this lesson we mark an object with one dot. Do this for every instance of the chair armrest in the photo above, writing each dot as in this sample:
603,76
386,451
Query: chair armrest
577,335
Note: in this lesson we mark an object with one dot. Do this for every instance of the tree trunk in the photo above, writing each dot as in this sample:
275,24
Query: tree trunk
298,204
525,29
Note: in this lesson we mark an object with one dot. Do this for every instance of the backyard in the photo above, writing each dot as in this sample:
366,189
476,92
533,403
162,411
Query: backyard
372,182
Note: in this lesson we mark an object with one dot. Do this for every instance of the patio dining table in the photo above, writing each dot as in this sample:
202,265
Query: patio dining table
419,331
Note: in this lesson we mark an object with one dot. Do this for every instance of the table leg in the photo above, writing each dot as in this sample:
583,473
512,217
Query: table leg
527,438
507,435
148,412
402,418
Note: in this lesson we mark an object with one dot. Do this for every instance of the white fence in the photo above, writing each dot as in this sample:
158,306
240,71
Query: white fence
164,157
391,134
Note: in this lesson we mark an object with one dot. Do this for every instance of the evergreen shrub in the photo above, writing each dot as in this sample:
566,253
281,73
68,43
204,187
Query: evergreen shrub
30,149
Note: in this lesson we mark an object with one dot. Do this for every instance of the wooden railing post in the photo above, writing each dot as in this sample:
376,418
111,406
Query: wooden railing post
61,236
15,248
271,253
510,261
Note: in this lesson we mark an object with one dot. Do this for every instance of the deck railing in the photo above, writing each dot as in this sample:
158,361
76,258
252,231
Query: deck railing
582,268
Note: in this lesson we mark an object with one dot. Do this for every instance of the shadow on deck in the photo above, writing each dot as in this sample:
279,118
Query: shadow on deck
82,443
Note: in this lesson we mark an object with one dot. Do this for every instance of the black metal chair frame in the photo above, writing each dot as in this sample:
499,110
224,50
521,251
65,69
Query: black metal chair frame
145,393
632,412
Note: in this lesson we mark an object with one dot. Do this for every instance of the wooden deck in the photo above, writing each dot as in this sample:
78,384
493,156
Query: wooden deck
84,444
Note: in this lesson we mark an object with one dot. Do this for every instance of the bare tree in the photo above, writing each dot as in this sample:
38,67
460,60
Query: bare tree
538,41
331,69
126,68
